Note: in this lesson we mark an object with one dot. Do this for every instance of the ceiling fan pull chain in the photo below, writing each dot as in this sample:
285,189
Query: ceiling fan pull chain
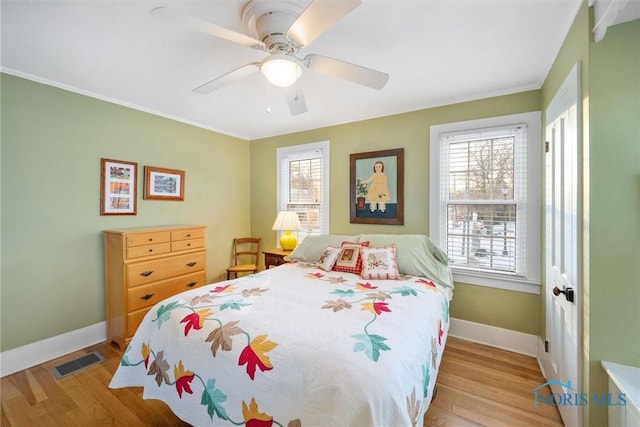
268,97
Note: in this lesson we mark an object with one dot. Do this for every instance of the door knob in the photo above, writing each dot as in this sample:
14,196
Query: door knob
568,293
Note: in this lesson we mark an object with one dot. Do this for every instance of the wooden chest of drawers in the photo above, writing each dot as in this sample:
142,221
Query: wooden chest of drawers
144,266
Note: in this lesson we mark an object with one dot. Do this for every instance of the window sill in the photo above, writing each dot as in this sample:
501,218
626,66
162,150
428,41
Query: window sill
494,281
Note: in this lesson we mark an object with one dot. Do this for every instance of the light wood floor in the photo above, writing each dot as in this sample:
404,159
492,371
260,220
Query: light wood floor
483,386
477,386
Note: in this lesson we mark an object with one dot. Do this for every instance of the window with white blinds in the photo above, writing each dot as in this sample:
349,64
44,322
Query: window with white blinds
483,181
303,186
486,203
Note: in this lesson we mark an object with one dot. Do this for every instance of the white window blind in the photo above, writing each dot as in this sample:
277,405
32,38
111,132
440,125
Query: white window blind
484,199
484,193
303,186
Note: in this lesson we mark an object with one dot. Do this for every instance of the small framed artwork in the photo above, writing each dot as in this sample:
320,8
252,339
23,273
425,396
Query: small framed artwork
118,181
163,184
377,187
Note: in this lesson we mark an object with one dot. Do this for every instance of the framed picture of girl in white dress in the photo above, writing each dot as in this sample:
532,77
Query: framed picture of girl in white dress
377,187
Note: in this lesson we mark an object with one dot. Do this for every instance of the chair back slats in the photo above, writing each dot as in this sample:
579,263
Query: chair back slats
245,248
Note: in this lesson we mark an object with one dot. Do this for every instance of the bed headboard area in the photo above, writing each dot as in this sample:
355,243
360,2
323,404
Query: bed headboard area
417,254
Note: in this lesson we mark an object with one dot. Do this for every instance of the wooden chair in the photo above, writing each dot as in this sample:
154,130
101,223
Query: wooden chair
245,249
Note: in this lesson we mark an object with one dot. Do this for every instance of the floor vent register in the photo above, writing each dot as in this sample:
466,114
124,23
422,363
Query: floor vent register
77,364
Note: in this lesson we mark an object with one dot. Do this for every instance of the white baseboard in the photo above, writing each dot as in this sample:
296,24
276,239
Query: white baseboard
29,355
505,339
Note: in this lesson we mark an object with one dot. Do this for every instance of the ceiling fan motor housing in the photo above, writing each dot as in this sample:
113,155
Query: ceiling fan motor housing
282,28
268,21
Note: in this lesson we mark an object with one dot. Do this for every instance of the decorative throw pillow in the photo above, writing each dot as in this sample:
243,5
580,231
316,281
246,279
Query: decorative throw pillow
379,263
328,258
310,249
417,255
349,259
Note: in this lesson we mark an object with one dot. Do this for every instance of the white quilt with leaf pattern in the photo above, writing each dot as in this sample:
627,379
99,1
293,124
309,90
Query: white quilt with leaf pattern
293,346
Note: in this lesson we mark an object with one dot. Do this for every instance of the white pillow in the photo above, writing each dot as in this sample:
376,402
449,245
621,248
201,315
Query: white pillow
311,248
379,263
328,258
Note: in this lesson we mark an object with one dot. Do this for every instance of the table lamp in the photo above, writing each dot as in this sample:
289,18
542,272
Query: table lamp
287,221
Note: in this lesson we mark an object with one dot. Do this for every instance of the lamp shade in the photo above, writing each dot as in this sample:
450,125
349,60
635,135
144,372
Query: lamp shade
287,222
280,69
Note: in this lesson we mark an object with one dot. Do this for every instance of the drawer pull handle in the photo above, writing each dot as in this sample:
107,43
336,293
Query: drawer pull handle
147,296
192,263
150,250
150,239
192,284
188,235
147,273
188,244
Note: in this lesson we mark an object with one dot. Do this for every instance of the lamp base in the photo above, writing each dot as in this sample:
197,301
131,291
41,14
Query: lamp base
288,241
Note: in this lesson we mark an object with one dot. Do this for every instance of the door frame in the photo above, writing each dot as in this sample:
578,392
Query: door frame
569,90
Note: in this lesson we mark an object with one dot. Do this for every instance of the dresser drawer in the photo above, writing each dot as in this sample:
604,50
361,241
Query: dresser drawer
152,293
164,268
148,250
183,245
149,238
191,233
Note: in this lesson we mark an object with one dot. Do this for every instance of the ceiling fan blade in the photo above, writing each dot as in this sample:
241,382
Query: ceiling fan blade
206,27
231,76
346,71
317,18
295,99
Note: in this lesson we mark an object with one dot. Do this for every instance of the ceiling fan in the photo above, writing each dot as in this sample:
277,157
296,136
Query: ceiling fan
282,28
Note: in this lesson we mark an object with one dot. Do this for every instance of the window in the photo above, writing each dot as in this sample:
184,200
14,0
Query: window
485,199
303,185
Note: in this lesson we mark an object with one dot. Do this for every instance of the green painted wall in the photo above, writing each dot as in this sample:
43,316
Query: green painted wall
611,212
614,211
52,142
52,270
490,306
506,309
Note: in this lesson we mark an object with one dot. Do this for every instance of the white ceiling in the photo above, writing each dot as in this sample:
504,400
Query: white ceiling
436,52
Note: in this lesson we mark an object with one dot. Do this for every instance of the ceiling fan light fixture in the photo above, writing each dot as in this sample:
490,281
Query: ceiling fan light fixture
280,69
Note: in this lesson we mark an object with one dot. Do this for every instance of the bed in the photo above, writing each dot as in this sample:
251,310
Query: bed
312,342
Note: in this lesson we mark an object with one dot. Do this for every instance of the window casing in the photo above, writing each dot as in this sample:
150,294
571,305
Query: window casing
485,199
303,186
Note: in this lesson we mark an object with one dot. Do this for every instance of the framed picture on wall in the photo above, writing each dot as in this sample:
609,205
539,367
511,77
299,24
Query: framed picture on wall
118,181
377,187
163,184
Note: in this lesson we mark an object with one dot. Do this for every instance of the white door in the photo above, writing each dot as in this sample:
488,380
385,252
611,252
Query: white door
563,244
